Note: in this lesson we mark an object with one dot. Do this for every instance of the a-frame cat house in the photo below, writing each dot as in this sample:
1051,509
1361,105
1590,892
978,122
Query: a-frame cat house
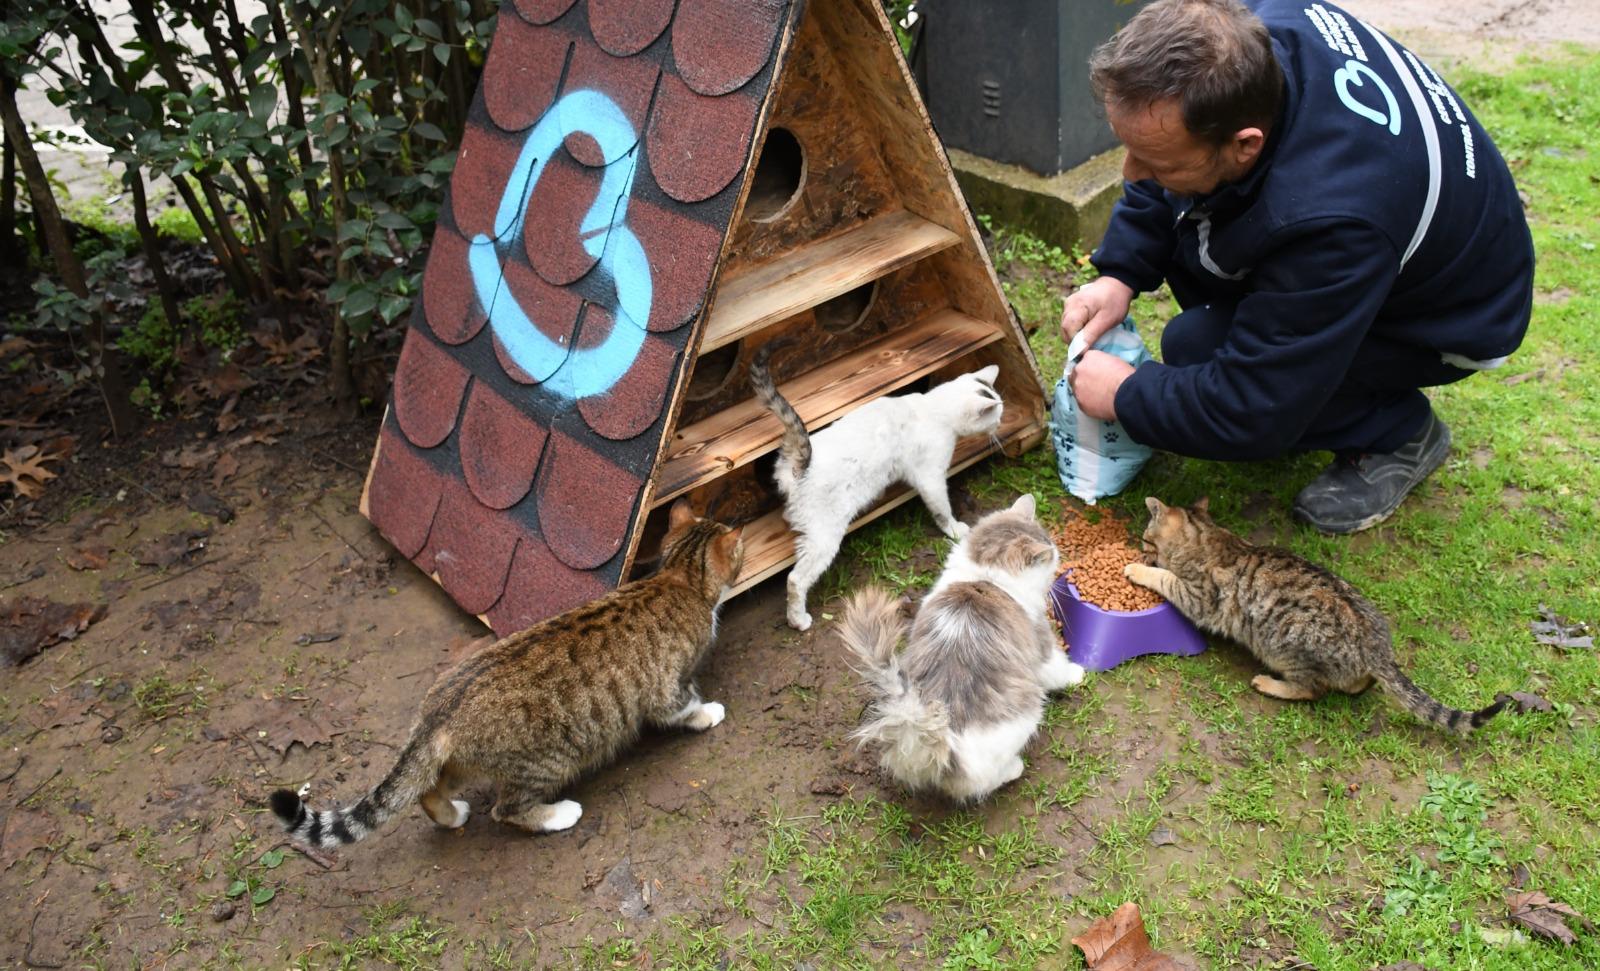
647,192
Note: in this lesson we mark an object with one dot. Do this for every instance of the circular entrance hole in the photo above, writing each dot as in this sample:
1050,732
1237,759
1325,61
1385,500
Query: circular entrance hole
779,173
845,312
712,371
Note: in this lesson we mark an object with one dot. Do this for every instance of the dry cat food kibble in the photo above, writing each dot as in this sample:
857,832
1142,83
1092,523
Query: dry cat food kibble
1096,553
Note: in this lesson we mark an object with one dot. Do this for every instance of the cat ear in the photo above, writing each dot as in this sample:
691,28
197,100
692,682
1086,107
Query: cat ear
987,374
728,543
1026,504
1203,505
1154,505
680,515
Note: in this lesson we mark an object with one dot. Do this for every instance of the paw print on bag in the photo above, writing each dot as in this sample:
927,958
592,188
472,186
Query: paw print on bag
1096,458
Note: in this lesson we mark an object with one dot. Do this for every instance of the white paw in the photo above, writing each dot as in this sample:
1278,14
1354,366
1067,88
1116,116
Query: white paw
562,815
1073,675
958,530
709,716
799,620
462,812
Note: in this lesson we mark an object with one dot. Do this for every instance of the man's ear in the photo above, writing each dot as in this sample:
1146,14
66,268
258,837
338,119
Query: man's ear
1246,146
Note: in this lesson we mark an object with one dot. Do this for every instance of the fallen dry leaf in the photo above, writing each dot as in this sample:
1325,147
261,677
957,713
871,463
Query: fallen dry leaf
24,470
1557,631
89,558
189,458
1545,917
171,548
1119,943
31,624
224,468
26,830
1525,701
227,380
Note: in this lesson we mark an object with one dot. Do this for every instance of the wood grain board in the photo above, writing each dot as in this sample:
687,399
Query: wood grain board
743,433
763,295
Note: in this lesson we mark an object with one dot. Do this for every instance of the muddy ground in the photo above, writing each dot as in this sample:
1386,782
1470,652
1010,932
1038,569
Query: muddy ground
257,632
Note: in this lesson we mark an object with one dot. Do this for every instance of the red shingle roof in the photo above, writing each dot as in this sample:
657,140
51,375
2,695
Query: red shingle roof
594,185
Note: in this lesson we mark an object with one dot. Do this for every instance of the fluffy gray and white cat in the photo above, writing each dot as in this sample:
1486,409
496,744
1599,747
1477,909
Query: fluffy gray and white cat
953,711
830,478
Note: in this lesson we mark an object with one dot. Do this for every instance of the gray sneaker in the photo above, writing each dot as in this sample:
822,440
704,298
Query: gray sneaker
1360,491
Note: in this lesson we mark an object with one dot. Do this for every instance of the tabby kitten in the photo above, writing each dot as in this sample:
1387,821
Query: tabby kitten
953,711
830,478
542,707
1313,628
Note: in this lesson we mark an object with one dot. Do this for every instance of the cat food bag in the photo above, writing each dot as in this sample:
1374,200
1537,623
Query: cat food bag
1096,458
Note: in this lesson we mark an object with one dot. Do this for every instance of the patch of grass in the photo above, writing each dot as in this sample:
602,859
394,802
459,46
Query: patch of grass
394,939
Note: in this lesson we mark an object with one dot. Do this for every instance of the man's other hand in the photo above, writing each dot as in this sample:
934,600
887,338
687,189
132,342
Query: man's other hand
1095,381
1095,307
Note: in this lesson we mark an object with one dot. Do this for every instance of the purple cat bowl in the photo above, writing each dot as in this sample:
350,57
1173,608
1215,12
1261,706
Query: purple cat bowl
1100,640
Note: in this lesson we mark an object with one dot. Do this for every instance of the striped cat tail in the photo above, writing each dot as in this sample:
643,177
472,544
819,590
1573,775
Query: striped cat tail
1425,707
913,734
413,774
795,450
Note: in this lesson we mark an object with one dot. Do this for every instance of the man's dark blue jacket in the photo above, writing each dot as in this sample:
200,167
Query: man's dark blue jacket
1379,206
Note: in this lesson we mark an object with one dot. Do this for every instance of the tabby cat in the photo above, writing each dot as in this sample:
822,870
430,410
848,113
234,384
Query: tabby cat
953,711
1311,627
830,478
542,707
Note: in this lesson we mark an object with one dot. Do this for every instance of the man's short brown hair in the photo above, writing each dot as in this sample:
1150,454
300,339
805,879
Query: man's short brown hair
1213,56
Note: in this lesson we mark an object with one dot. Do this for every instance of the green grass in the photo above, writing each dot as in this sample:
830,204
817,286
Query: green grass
1342,834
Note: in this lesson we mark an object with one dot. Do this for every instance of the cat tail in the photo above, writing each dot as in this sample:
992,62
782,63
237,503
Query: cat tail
795,450
414,773
914,734
1425,707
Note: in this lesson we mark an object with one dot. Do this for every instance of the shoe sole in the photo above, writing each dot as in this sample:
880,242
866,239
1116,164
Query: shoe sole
1429,466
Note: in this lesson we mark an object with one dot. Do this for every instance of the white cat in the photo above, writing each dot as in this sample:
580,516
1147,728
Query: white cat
955,709
830,478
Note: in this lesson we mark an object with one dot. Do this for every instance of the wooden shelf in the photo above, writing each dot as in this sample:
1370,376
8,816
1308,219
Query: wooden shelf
769,543
743,433
763,295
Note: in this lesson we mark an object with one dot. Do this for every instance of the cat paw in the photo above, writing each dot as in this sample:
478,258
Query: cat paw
709,716
462,812
957,530
562,815
799,620
1139,573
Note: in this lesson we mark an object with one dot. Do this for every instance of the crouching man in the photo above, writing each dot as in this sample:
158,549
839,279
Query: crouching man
1337,227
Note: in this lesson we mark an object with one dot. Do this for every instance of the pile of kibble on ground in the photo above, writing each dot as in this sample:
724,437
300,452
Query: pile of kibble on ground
1096,552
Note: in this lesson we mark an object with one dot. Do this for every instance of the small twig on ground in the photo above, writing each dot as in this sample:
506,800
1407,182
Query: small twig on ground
323,519
413,673
41,785
27,956
307,450
311,561
22,759
181,573
315,856
138,485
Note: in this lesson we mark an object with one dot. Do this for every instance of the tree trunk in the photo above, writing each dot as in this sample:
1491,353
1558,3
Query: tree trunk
11,250
104,361
152,251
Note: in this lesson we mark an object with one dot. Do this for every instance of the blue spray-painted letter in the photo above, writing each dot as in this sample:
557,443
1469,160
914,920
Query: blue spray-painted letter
569,372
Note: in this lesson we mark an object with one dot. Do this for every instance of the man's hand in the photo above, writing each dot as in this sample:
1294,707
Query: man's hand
1095,308
1094,382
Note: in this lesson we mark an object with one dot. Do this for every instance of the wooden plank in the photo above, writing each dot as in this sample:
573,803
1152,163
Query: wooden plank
751,299
769,543
743,433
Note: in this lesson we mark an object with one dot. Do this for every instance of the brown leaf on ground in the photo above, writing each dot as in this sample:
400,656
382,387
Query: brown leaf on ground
224,468
281,722
227,380
171,548
23,469
1545,917
31,624
189,458
25,831
1119,943
1525,701
89,558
